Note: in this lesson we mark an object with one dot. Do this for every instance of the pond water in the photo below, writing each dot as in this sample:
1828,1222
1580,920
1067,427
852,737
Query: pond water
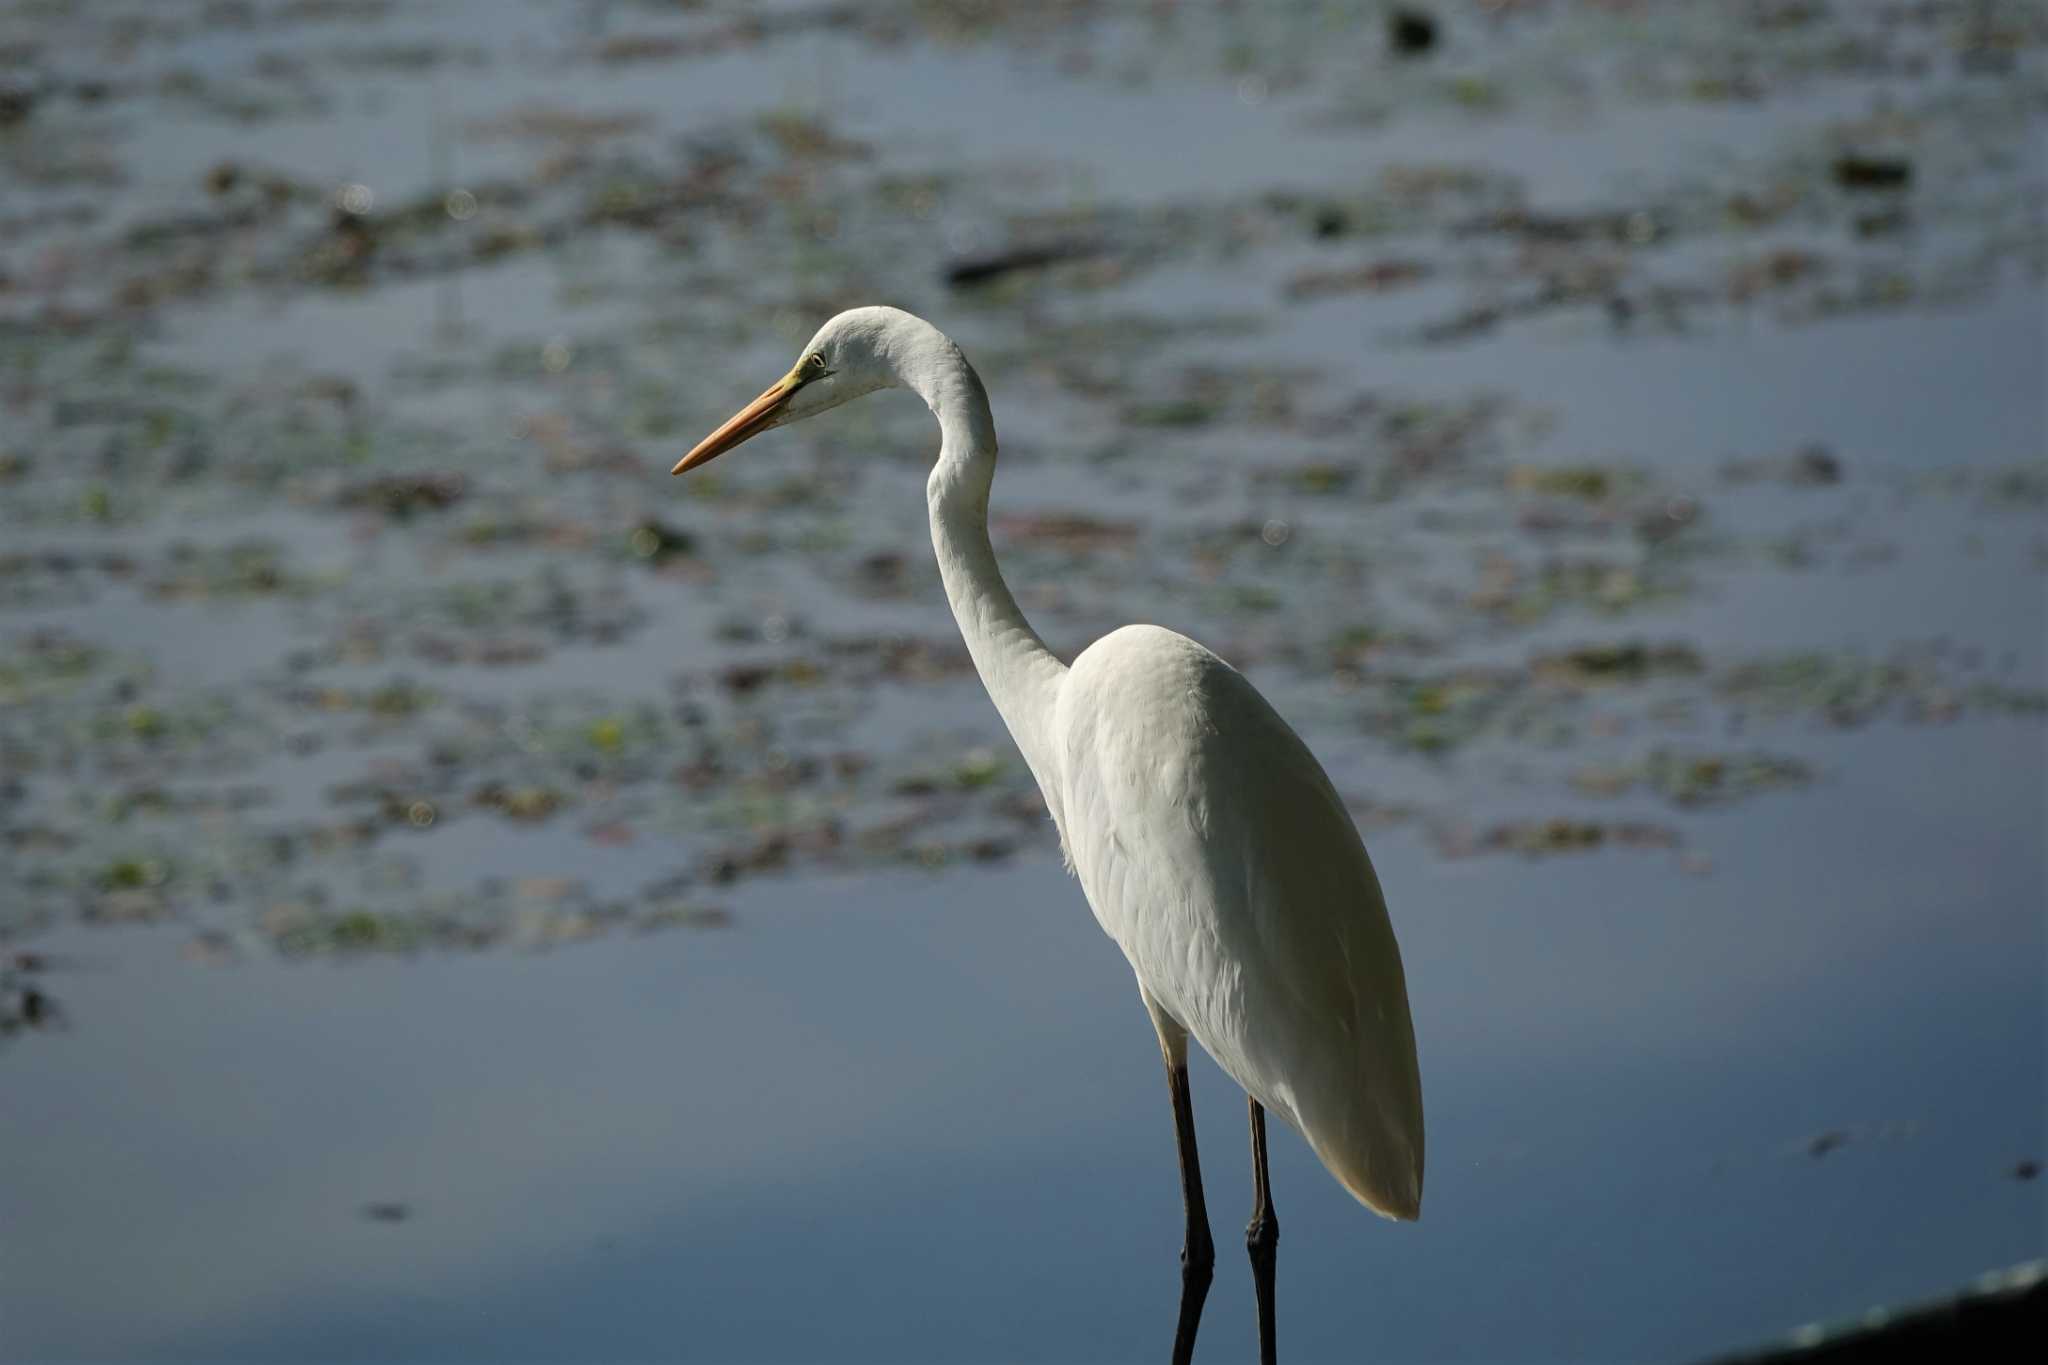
466,895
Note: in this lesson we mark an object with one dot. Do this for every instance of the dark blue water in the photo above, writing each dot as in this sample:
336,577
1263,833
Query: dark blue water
921,1118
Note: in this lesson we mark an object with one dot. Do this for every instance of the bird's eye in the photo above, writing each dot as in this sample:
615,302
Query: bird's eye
815,362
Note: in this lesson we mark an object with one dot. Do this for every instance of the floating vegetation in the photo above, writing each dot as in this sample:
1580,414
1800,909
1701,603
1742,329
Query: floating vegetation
45,664
338,535
1515,593
1849,690
1552,700
241,569
1692,779
401,496
26,1005
1625,662
531,915
1812,466
1588,483
1548,838
660,544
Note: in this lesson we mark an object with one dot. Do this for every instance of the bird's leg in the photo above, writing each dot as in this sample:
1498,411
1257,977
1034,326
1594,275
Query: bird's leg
1197,1252
1262,1234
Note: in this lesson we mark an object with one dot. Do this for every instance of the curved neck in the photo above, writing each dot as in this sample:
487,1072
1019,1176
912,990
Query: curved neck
1022,676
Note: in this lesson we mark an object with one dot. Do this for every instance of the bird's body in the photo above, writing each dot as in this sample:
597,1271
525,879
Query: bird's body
1209,842
1214,850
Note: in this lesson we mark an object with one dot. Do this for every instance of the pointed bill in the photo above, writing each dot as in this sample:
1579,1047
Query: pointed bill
751,420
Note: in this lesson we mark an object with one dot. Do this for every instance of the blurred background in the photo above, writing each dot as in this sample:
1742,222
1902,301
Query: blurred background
464,894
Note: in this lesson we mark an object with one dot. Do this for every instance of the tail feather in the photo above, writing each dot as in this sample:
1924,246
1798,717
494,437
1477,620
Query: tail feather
1389,1189
1368,1133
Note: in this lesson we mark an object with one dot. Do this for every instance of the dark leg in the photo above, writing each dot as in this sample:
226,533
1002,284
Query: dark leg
1198,1252
1262,1234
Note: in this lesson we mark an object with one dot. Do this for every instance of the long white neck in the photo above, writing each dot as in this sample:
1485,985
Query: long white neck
1022,676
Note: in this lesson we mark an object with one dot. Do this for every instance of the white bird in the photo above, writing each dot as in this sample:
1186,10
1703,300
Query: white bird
1211,845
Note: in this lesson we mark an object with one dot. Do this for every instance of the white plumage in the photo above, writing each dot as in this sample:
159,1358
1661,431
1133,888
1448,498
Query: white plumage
1215,852
1210,843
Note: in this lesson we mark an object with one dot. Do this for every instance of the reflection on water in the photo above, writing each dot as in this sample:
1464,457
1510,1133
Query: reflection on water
1642,522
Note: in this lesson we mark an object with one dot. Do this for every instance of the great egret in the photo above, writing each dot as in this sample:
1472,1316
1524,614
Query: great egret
1208,840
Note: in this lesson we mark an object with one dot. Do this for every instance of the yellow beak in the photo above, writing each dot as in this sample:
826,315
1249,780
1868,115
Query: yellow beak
749,421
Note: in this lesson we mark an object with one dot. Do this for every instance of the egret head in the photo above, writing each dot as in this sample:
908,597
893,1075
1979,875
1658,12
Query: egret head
853,354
